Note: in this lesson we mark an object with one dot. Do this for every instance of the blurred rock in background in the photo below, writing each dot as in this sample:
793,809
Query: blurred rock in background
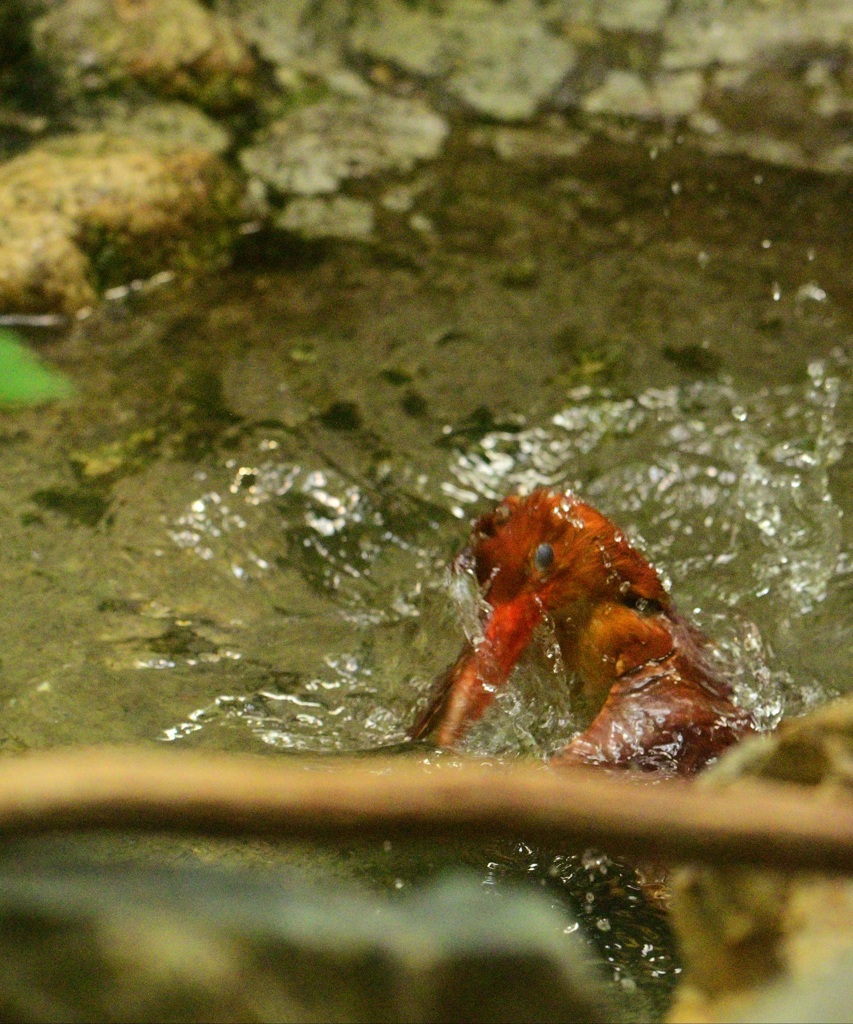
309,98
753,939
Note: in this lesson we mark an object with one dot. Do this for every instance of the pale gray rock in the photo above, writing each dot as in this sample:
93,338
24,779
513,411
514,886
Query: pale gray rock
632,15
328,217
626,94
418,40
316,148
504,61
678,94
769,81
532,145
703,35
623,94
513,68
163,123
717,140
276,27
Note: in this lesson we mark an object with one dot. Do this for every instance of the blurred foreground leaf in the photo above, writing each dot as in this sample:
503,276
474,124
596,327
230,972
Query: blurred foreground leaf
24,380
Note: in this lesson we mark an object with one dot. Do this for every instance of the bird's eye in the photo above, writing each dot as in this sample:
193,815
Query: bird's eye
543,558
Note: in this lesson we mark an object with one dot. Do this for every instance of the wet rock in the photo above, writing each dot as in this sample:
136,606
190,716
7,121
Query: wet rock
167,123
747,934
770,81
703,35
174,48
327,217
632,15
627,94
297,36
806,110
94,207
501,60
532,146
277,27
41,266
314,150
716,140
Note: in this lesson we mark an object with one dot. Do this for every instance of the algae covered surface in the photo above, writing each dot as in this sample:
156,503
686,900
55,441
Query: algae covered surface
236,537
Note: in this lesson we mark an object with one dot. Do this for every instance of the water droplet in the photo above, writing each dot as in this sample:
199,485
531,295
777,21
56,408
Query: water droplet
810,292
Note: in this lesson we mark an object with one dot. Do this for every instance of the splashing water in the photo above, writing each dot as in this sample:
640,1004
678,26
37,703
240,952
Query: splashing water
678,454
342,564
730,493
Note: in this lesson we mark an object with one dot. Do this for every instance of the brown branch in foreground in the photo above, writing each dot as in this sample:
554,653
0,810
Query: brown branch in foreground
331,799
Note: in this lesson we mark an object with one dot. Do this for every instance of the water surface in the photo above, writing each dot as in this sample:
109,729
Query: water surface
238,537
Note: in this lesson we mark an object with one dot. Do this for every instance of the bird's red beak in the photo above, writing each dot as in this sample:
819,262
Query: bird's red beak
461,694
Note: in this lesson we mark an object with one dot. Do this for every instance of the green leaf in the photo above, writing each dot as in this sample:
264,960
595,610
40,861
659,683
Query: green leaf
24,379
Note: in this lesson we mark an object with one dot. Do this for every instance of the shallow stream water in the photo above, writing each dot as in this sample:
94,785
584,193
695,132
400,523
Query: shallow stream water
237,537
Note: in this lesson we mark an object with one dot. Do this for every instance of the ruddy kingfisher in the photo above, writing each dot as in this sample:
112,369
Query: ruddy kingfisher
632,661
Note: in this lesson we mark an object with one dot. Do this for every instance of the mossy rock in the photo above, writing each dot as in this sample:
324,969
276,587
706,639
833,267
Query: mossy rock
744,932
175,48
94,210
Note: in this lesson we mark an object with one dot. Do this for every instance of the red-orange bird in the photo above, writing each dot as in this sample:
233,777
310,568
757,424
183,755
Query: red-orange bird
632,660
